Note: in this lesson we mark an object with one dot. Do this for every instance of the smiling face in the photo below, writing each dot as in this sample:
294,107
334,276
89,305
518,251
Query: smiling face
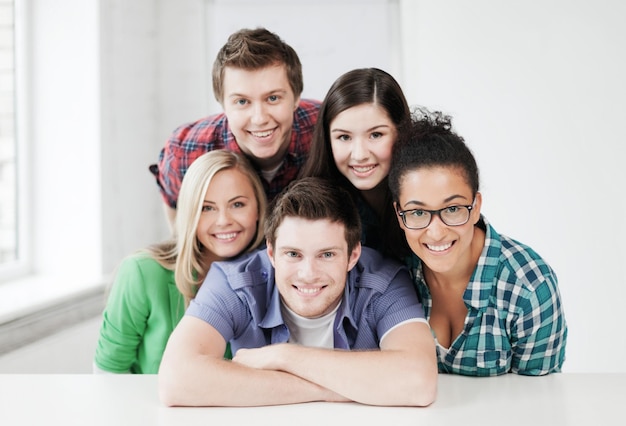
260,105
444,249
311,260
361,139
228,222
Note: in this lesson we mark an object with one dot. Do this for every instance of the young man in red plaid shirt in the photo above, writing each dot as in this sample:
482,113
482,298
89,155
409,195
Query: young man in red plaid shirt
257,78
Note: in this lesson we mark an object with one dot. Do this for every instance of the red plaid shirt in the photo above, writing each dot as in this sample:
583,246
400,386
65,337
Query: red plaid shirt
191,140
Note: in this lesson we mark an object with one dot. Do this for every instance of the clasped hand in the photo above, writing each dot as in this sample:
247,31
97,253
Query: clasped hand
264,358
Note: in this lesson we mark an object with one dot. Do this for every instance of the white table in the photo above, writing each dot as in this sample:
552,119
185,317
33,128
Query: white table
558,399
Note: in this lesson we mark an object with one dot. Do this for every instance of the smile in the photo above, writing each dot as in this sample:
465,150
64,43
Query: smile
225,237
439,248
262,134
363,169
308,290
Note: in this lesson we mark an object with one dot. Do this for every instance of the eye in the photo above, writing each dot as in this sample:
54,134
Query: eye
273,98
241,102
239,204
207,208
376,135
343,138
291,254
452,209
328,255
417,213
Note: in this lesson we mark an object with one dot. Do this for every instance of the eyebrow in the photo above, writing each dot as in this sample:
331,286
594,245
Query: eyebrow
231,200
446,200
271,92
322,250
368,130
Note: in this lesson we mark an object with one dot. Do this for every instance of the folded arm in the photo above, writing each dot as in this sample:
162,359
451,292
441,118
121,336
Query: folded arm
403,372
194,373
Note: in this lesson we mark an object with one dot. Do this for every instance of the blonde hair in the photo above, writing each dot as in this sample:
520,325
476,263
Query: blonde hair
184,253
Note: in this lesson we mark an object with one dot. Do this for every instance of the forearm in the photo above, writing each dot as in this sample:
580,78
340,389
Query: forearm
402,372
375,377
205,381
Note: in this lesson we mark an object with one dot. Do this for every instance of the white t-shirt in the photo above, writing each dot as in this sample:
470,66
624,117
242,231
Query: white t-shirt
313,332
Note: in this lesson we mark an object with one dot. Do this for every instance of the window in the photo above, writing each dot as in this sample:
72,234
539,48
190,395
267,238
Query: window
8,147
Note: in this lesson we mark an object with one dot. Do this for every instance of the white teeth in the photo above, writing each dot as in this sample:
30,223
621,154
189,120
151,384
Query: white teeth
229,236
439,248
308,290
362,169
262,134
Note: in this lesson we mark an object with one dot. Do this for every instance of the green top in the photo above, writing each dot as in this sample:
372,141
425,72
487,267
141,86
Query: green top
142,310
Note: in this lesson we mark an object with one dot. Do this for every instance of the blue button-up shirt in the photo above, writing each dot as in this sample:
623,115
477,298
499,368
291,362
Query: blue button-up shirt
240,300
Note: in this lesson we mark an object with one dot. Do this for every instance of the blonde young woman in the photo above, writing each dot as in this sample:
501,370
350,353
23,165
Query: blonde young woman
220,208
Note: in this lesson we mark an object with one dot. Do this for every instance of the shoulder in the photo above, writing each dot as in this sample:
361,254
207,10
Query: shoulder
309,104
143,262
523,261
248,270
307,112
204,130
377,271
140,278
140,269
524,274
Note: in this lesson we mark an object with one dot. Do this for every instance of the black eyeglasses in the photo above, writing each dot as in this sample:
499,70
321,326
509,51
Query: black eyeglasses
421,218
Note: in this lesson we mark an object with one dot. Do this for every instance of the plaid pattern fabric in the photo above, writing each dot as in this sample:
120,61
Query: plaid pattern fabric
515,320
191,140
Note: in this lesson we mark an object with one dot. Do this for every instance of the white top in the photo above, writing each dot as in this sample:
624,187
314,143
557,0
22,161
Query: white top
119,400
268,175
313,332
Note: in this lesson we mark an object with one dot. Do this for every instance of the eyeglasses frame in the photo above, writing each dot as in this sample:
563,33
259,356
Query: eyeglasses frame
469,207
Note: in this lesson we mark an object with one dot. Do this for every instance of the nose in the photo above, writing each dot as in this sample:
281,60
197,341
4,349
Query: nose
259,114
436,228
307,270
223,217
359,150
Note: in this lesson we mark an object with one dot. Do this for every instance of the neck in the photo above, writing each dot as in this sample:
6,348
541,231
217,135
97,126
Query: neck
272,163
208,257
376,197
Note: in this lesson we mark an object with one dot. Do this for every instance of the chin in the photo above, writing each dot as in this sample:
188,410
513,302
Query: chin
227,254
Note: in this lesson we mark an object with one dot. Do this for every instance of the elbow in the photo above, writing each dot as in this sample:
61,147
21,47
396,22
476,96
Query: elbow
422,390
166,398
167,393
424,393
427,394
173,387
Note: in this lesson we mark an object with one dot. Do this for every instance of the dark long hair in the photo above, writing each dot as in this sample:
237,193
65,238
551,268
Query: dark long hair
358,87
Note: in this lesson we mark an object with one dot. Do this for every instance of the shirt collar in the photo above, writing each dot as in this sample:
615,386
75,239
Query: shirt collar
481,283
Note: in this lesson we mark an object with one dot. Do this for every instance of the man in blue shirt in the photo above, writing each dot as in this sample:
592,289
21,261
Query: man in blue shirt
314,317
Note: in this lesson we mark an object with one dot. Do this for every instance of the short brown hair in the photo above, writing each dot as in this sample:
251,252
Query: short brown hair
253,49
315,198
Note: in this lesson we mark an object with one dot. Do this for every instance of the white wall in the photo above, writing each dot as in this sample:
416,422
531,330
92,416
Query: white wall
537,89
70,351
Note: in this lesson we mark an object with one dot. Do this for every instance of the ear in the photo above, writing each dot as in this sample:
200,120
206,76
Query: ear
477,206
395,210
270,253
354,256
296,103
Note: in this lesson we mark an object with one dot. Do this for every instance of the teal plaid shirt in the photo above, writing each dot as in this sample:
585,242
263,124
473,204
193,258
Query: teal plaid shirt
515,320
